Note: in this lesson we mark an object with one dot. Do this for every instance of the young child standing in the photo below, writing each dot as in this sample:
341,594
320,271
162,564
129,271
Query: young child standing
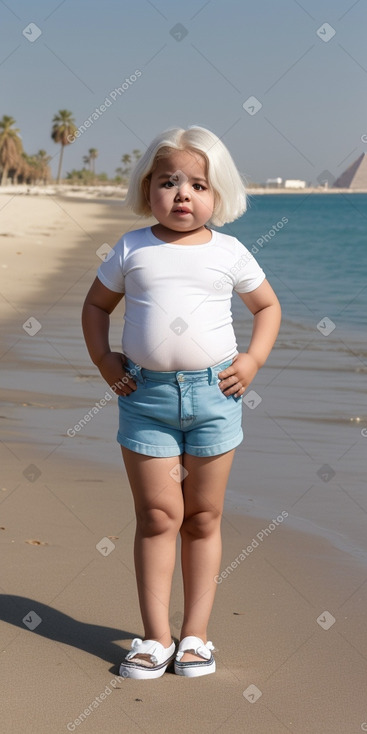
180,379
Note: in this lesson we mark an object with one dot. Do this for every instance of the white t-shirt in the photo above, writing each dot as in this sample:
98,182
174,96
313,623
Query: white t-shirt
178,298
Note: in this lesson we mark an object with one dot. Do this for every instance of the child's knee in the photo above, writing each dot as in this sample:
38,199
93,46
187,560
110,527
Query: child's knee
156,521
201,524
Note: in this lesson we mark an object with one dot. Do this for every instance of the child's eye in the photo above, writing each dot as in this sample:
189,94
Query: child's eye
196,186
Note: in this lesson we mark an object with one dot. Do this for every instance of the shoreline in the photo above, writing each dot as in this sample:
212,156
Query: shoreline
88,387
119,192
288,622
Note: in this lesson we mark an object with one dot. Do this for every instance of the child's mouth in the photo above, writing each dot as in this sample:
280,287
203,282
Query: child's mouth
181,212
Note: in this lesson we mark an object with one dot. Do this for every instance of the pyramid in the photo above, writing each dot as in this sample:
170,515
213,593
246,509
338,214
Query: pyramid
355,176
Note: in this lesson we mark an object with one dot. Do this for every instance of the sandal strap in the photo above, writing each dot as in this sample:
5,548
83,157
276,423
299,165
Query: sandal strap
154,649
195,645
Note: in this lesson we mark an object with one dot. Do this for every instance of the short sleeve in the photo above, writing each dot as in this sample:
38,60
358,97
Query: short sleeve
111,272
247,273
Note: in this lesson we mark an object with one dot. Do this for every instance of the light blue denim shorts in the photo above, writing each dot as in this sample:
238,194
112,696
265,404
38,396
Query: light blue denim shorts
170,413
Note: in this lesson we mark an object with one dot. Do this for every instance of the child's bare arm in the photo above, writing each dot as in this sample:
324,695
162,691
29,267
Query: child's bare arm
265,307
98,305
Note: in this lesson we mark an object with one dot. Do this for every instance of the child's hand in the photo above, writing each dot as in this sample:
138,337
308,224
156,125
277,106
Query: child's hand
236,378
112,370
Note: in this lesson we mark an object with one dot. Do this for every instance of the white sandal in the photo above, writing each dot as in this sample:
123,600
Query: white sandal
160,657
195,667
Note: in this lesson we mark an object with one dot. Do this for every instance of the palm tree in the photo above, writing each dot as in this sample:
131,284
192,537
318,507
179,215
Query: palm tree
27,169
126,160
93,154
10,146
42,161
32,169
20,171
63,128
87,160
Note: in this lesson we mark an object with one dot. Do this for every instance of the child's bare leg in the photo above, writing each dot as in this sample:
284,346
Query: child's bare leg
159,512
201,546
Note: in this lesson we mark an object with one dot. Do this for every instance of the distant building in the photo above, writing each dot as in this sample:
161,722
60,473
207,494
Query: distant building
273,182
294,183
354,177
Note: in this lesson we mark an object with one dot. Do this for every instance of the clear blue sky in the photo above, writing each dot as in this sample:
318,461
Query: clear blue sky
313,93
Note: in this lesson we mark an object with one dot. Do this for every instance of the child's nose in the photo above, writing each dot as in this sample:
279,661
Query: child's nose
183,192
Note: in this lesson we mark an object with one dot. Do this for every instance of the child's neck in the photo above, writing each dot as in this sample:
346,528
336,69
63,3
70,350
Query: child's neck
196,237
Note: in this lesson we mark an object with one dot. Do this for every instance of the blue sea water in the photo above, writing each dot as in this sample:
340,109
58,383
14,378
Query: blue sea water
312,417
313,249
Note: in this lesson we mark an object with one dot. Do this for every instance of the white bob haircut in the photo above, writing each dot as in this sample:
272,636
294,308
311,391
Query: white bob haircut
223,176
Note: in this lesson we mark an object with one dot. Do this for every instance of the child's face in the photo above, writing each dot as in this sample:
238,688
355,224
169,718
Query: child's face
179,193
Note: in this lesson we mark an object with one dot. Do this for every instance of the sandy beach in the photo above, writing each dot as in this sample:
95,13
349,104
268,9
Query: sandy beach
289,618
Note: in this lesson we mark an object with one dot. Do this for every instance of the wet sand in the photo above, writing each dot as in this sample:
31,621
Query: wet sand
289,616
